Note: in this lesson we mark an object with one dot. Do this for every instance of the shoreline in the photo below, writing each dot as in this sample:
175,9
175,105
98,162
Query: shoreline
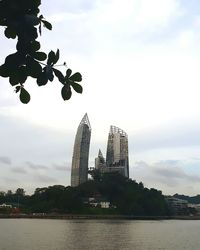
95,217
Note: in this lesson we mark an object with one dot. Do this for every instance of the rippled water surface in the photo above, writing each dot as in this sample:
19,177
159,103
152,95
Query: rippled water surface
38,234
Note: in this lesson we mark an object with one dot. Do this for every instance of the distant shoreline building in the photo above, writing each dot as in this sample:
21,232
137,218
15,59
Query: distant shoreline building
79,170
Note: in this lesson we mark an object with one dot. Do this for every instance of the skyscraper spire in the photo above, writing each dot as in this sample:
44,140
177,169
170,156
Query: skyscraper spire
100,154
85,120
99,161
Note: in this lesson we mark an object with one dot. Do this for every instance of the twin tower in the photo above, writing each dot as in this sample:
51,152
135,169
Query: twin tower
116,156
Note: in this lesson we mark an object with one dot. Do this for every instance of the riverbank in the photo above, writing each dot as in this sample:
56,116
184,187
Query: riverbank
91,216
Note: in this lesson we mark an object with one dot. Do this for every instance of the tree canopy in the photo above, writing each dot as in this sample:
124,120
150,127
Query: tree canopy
126,197
22,21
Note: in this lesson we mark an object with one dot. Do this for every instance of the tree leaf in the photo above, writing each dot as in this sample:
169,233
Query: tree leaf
59,75
68,73
47,25
12,61
33,67
35,3
24,96
40,56
76,77
18,76
51,58
57,56
35,46
4,71
49,72
40,29
41,17
10,33
22,74
66,92
17,89
13,80
77,87
42,79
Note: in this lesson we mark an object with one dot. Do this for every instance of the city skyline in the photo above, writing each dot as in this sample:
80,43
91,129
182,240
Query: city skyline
117,159
140,69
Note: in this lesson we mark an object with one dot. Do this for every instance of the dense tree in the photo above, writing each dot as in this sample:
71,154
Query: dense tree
9,193
2,197
125,195
20,192
22,21
129,197
55,198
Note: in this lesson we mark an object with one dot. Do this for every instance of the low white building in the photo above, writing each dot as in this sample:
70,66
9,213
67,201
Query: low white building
105,204
4,205
98,202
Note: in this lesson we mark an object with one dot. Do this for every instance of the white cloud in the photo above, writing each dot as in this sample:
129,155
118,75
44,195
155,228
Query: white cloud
5,160
158,14
167,176
136,16
187,39
67,17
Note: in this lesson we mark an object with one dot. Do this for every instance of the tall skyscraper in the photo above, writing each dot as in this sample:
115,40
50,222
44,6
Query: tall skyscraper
117,151
79,171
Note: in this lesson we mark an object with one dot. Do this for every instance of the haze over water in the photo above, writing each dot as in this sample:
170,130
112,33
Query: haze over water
37,234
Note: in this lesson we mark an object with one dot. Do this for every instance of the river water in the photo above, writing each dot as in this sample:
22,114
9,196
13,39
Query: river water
44,234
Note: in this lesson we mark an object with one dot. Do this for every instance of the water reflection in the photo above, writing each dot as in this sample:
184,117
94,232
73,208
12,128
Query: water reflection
26,234
99,234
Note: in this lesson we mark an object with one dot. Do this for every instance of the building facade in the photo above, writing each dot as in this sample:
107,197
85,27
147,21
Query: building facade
79,169
117,153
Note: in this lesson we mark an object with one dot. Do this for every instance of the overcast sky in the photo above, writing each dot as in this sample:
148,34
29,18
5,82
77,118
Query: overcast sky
140,63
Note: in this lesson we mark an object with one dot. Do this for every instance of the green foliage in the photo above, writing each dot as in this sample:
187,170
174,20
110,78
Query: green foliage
20,192
24,96
66,92
22,21
126,196
55,198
